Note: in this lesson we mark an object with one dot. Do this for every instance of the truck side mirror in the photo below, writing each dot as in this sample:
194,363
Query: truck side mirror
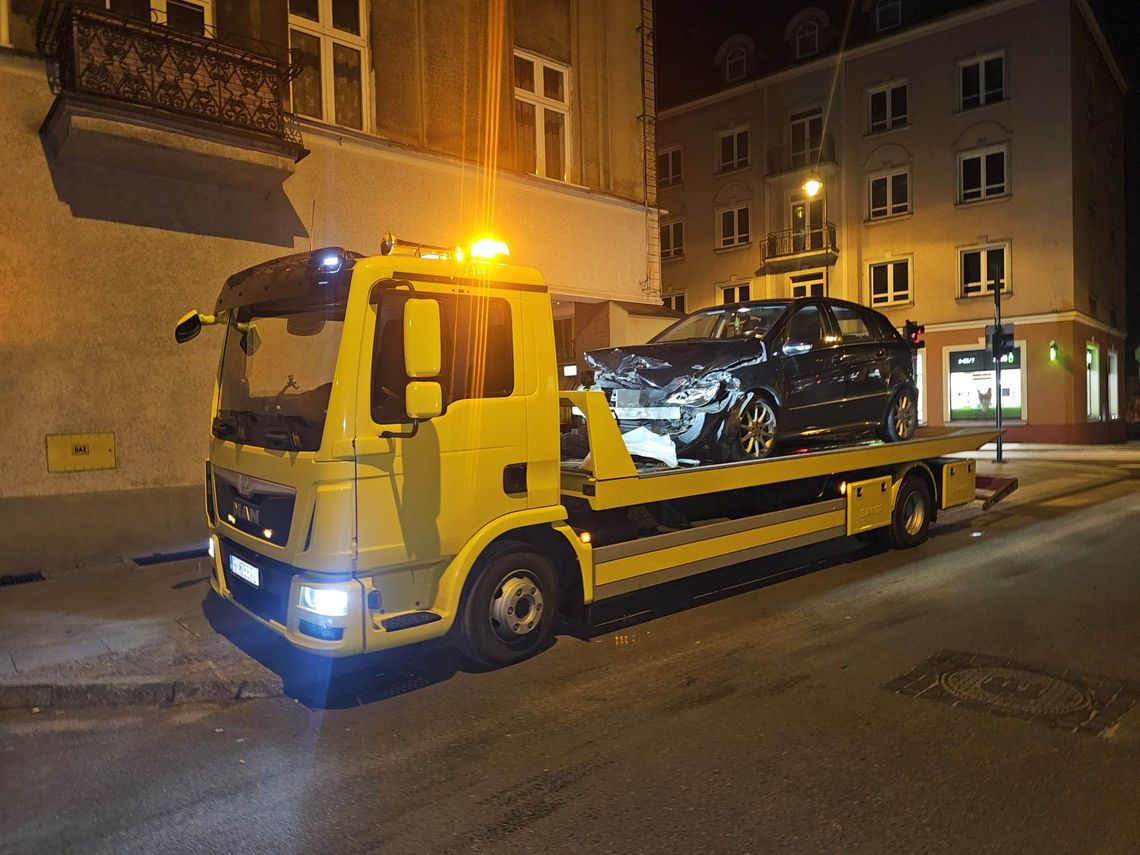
188,327
190,324
423,345
423,399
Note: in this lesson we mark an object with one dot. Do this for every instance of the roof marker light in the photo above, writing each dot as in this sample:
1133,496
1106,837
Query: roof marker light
487,248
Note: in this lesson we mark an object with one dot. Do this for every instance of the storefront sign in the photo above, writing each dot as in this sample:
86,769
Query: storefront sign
972,385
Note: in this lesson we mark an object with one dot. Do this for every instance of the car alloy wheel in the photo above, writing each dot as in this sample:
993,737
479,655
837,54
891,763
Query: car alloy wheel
757,429
903,415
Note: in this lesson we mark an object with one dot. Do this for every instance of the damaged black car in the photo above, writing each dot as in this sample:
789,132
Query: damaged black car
736,382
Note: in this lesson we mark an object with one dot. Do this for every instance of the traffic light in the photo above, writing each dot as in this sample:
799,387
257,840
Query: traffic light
1003,343
913,333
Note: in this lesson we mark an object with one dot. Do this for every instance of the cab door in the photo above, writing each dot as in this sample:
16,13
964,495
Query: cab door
812,373
425,489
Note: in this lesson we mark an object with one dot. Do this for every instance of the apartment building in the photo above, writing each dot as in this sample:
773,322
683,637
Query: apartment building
975,148
154,147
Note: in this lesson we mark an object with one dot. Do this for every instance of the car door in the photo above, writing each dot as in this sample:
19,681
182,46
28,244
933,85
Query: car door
866,365
812,375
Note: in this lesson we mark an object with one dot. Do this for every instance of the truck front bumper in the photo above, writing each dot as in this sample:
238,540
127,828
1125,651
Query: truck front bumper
317,612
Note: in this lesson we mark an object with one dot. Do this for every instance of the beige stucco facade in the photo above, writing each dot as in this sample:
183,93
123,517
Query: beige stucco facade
1060,218
103,248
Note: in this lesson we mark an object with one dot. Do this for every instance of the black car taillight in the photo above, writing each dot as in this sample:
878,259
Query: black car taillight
913,333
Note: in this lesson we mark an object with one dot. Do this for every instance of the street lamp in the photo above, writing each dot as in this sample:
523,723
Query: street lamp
813,185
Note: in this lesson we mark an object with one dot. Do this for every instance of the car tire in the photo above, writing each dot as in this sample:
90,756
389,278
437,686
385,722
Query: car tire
509,607
902,416
912,513
751,430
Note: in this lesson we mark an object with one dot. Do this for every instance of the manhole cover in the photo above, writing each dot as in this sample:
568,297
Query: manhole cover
1002,687
1016,689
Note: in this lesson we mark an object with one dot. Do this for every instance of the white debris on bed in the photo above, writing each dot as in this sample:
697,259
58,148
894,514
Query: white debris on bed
643,442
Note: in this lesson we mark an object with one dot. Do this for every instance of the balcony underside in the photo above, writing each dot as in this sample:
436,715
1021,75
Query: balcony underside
105,132
799,261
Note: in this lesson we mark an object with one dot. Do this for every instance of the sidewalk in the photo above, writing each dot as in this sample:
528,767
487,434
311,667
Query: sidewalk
127,634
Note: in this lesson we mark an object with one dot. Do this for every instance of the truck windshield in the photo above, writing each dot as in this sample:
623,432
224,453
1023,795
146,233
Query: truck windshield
277,373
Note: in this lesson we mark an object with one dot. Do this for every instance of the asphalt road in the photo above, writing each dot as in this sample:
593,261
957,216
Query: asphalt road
724,715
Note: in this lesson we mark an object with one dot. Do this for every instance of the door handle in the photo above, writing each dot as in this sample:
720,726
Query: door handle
514,479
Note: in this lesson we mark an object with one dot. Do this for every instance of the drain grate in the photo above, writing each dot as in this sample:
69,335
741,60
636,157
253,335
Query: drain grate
1082,703
168,557
21,579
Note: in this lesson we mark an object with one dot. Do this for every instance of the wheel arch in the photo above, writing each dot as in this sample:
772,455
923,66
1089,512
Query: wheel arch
559,543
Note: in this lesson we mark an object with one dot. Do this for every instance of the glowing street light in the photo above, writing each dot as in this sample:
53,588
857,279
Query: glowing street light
813,185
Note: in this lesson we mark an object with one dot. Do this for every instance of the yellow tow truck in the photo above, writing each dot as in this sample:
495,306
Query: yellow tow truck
385,464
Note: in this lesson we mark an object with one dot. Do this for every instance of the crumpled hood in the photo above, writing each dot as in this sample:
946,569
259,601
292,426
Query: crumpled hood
660,364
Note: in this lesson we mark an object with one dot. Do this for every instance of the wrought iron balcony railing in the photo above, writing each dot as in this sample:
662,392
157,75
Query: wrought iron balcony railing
153,66
799,242
803,156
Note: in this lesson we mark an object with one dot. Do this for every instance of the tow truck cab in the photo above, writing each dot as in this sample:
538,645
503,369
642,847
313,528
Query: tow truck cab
377,423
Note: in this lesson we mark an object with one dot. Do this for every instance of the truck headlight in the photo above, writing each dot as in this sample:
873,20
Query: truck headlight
694,396
330,602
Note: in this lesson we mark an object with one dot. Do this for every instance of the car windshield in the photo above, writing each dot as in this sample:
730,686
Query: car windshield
277,372
729,322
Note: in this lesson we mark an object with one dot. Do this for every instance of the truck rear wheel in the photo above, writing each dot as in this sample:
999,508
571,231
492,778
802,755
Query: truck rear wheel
910,519
509,609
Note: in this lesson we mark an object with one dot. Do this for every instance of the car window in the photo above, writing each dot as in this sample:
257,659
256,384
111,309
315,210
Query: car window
852,327
806,325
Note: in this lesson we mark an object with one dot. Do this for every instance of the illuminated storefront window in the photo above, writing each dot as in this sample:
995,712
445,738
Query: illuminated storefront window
972,385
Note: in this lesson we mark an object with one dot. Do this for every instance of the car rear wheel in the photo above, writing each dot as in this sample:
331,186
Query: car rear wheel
751,432
902,417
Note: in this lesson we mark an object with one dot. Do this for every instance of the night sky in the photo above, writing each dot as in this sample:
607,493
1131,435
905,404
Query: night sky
689,33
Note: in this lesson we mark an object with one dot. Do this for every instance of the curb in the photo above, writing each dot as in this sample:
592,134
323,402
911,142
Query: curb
136,690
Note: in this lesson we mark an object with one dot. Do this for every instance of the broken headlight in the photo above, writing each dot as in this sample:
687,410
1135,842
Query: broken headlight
695,395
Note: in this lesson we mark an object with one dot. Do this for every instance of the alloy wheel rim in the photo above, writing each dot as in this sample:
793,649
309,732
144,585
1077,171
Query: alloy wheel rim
757,429
904,416
516,606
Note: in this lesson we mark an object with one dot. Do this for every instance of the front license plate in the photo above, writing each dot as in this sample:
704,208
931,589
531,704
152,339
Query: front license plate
245,570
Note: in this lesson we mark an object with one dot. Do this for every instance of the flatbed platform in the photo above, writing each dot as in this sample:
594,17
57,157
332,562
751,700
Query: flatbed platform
612,480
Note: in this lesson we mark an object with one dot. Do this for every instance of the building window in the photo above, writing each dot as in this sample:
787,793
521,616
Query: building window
890,283
542,115
888,15
733,226
326,39
735,293
887,108
982,269
973,381
983,174
888,195
1113,385
564,339
732,150
188,16
672,240
675,301
1092,382
669,167
982,81
811,283
806,133
736,64
807,39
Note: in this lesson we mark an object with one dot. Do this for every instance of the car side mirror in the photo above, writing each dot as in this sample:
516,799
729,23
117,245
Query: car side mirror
190,324
423,399
796,348
423,343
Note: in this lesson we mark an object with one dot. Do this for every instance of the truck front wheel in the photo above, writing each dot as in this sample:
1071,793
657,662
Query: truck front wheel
509,608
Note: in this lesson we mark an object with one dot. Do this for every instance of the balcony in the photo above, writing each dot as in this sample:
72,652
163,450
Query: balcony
143,97
788,158
795,248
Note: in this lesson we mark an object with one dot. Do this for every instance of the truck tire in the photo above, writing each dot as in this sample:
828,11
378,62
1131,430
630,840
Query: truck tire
509,607
910,519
